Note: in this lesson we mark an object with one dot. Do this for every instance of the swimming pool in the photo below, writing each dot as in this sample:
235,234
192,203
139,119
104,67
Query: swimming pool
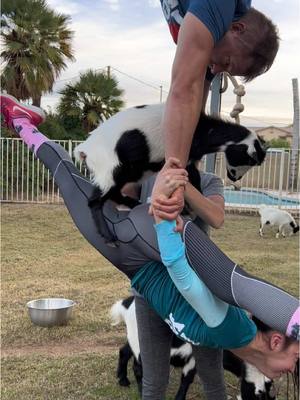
253,197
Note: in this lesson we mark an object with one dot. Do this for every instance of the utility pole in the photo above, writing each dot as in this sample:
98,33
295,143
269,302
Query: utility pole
294,161
160,93
108,71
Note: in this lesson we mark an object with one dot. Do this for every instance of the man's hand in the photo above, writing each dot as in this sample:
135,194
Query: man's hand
167,200
169,208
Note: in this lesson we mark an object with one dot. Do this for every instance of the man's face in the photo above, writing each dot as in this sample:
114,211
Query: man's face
231,55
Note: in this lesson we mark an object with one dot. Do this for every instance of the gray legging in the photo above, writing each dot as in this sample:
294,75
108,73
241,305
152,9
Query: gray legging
135,244
155,339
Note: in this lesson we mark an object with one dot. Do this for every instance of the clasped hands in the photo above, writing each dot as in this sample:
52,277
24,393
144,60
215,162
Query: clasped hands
167,199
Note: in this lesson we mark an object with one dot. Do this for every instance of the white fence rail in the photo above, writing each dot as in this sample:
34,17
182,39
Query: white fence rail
24,179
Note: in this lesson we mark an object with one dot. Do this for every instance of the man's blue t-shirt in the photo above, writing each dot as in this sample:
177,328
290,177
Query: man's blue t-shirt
216,15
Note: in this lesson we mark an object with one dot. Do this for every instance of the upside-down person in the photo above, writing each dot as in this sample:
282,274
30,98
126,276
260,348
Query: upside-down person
209,320
205,206
212,36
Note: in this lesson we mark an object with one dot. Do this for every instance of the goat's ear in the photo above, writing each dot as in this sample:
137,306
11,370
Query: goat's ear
260,152
255,157
265,145
82,156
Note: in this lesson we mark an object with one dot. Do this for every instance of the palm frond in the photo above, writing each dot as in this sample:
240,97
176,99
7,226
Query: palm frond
37,43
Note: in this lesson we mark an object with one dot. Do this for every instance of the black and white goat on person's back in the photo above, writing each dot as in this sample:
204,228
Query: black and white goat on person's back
131,143
254,385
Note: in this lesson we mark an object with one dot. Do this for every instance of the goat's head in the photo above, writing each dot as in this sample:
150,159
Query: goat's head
242,156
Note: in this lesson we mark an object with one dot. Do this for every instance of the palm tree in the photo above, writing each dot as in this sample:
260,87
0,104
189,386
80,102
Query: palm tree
93,99
36,45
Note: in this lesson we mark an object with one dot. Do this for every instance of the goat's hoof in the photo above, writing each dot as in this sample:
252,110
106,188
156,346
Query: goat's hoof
124,382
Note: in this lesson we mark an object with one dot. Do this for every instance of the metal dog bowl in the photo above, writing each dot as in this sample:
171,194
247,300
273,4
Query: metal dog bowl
50,312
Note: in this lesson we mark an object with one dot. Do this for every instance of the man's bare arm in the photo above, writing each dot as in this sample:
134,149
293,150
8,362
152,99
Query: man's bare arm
210,209
184,102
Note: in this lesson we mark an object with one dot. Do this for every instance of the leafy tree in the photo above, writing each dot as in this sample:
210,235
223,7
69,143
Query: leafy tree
36,45
53,127
59,127
92,100
279,143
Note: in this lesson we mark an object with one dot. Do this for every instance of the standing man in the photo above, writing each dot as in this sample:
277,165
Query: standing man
212,36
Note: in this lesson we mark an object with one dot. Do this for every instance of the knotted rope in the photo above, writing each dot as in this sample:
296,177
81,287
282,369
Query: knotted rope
239,91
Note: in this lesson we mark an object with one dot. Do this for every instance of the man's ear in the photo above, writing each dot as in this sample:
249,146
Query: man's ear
277,341
238,27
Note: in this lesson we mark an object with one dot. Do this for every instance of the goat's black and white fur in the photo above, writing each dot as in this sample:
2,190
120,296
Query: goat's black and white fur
254,385
130,143
271,216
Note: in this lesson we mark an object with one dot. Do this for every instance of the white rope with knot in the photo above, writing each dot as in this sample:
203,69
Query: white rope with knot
239,91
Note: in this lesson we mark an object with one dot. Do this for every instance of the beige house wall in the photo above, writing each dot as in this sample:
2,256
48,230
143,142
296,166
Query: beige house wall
272,132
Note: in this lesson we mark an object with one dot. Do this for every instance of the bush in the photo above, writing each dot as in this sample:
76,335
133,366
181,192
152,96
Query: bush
279,143
62,128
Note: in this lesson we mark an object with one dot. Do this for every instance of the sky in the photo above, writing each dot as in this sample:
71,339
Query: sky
133,38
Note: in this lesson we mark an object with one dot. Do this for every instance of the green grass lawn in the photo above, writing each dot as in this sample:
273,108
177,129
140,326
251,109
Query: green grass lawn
43,255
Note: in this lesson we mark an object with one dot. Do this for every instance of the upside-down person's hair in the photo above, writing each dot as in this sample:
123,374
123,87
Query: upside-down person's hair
261,326
262,41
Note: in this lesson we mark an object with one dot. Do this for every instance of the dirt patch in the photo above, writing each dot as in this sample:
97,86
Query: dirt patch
106,345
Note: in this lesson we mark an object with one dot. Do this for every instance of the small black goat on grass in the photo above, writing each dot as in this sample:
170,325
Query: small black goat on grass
254,385
130,143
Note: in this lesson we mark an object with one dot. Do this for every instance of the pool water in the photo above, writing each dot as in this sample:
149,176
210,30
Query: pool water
252,197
